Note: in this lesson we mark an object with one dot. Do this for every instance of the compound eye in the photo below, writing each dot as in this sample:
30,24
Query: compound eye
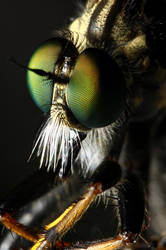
45,58
95,93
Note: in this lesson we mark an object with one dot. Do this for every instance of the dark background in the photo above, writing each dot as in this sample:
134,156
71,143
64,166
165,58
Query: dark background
24,24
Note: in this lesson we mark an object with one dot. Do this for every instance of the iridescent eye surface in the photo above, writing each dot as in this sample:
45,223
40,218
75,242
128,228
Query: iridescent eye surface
95,93
44,58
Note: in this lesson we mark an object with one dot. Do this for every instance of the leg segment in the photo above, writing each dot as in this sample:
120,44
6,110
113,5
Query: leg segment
131,213
106,176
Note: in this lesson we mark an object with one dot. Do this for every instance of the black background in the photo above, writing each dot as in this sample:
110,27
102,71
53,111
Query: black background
24,25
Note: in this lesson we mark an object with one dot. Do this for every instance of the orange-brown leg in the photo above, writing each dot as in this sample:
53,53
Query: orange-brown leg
106,176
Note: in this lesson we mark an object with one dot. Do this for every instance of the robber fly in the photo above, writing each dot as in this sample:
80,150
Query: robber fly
102,82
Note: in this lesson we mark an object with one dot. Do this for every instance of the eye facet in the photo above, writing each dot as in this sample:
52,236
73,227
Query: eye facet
45,58
95,93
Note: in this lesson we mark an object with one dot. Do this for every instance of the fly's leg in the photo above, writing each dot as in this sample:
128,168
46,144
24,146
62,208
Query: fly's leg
144,153
106,176
131,216
157,182
131,211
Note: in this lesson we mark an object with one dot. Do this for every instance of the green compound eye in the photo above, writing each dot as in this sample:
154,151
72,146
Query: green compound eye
44,58
95,93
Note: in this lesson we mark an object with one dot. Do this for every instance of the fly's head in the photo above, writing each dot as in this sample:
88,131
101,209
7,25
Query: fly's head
81,92
91,78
